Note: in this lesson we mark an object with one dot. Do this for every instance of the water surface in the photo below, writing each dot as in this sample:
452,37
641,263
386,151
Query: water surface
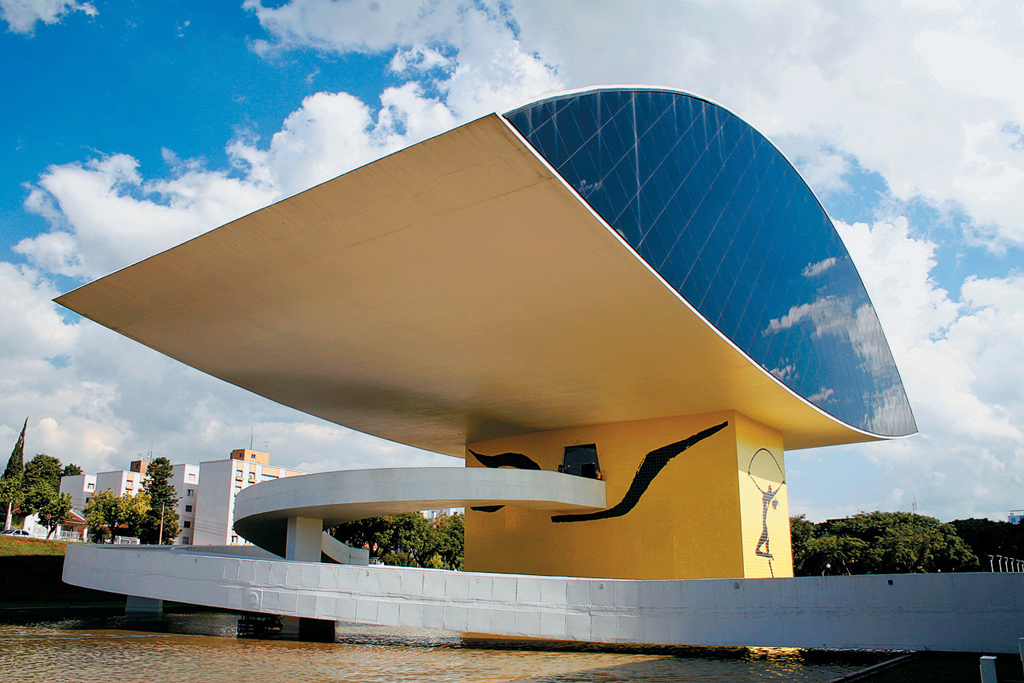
203,647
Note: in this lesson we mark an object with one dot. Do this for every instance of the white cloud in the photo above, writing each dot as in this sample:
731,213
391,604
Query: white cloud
961,366
21,15
487,68
921,93
105,400
105,216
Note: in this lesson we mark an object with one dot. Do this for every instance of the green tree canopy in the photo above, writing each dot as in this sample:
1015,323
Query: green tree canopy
107,513
163,500
408,539
70,470
878,543
445,544
988,538
42,469
54,512
10,481
16,463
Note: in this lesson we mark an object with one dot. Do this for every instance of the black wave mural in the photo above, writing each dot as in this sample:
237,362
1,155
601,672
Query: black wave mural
516,460
653,463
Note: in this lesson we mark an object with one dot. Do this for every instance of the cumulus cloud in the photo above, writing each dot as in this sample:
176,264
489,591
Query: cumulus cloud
917,92
961,368
21,15
104,215
473,44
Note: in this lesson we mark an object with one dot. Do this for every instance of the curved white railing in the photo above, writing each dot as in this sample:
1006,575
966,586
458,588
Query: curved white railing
262,511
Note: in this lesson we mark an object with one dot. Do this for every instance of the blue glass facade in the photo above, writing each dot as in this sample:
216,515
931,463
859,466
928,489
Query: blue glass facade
719,213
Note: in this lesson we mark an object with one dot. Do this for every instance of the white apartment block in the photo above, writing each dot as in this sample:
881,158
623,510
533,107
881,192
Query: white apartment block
222,480
185,480
80,487
205,513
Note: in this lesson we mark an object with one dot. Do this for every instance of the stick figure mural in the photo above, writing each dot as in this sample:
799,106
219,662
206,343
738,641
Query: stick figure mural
764,465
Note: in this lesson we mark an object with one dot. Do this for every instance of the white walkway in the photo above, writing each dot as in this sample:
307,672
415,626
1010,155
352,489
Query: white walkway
956,612
331,498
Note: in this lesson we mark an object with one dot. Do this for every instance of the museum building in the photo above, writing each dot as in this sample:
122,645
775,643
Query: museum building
620,306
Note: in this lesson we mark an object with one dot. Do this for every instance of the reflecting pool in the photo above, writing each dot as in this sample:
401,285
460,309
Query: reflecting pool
203,647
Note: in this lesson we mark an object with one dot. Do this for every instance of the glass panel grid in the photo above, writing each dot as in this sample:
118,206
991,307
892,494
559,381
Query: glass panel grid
727,221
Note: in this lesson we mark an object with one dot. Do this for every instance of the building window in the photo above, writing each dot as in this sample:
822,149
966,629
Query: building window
188,524
191,478
238,488
190,492
185,540
188,508
252,476
267,477
90,487
234,539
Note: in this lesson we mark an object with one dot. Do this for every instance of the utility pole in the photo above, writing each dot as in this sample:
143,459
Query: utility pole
160,538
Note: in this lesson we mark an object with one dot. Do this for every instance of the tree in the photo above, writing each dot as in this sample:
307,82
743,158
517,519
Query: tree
988,539
408,539
395,539
42,469
70,470
878,543
55,512
98,514
445,544
801,533
163,500
107,513
10,481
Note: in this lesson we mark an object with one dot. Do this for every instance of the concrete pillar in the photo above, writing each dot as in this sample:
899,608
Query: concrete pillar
141,606
304,539
308,630
316,630
988,670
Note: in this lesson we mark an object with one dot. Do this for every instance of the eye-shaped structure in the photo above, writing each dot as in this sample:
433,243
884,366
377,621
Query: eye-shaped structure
597,257
727,222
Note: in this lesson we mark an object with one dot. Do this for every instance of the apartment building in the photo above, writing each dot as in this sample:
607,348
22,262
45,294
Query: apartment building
185,480
80,487
206,492
221,482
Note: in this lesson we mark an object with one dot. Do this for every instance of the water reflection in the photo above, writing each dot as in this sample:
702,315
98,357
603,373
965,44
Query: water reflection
202,647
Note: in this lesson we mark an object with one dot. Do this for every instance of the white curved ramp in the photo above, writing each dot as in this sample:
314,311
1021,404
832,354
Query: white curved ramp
342,553
262,511
956,612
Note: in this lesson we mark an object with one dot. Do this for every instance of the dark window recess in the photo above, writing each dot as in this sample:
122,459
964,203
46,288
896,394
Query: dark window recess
188,508
188,524
581,461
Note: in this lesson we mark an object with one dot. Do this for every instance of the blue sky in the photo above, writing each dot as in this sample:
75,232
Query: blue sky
128,127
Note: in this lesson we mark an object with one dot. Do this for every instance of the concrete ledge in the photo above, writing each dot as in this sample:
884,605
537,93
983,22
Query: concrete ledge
950,612
262,511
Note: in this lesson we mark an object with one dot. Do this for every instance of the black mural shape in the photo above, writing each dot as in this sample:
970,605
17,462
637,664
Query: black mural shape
516,460
487,508
652,464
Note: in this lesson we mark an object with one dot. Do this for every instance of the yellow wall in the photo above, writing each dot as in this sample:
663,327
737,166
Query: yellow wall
695,520
761,466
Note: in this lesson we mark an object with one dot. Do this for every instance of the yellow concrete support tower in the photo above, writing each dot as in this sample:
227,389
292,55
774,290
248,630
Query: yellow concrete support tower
697,496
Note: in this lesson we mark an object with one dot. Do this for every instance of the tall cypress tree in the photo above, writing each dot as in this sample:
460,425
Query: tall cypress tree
10,481
163,500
